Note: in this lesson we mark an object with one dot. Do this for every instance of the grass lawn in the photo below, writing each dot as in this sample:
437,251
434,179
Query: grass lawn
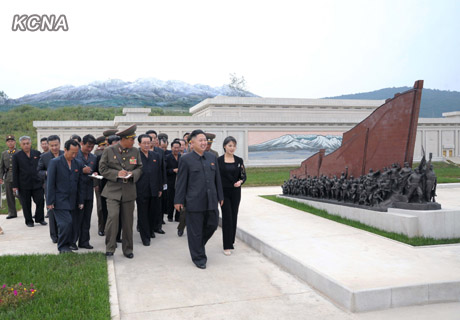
275,176
416,241
4,207
69,286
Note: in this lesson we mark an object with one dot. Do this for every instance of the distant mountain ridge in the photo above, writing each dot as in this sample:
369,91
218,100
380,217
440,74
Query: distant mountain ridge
434,102
293,142
142,92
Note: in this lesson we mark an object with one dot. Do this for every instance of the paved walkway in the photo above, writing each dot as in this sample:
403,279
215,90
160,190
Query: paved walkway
161,282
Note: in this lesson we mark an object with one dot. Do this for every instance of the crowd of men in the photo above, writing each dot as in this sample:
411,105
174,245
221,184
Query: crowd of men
119,176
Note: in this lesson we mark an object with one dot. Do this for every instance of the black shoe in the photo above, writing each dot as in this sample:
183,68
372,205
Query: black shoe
11,217
177,220
108,254
30,224
170,219
129,255
163,222
180,233
73,247
47,216
146,242
101,233
54,240
201,265
152,235
43,223
87,246
119,240
160,231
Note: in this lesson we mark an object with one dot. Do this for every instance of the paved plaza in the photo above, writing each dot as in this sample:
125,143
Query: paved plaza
161,282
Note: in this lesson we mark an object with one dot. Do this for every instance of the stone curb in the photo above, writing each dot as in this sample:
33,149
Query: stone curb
113,291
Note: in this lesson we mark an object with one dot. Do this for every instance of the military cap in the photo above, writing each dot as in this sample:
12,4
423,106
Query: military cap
101,140
110,132
210,137
128,133
10,137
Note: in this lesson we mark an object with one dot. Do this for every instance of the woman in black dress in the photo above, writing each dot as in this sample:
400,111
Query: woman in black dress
233,175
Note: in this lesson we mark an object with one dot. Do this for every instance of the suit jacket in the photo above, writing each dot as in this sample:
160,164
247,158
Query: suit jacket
43,163
161,152
198,184
150,182
63,188
25,173
6,165
171,164
230,177
116,188
88,183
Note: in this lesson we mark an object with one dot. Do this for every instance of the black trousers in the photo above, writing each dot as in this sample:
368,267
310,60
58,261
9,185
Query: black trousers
170,206
81,223
146,216
232,198
182,218
101,212
158,214
26,197
64,223
200,228
53,225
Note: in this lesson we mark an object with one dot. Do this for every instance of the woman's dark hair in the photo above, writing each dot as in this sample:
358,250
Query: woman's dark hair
228,140
71,142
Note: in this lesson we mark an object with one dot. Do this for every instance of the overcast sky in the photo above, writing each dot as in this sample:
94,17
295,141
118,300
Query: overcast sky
292,49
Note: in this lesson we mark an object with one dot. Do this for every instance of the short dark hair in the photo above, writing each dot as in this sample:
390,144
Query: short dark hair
75,136
152,131
163,139
113,138
54,137
145,135
89,138
43,139
228,140
71,142
186,134
195,133
175,141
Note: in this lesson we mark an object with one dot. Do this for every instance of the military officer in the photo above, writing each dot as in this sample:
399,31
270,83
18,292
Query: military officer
210,137
121,165
6,175
98,184
199,187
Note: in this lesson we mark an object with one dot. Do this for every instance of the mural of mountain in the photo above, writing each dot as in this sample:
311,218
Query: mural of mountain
434,102
294,142
139,93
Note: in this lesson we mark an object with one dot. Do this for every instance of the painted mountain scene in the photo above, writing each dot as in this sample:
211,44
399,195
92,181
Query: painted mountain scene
275,145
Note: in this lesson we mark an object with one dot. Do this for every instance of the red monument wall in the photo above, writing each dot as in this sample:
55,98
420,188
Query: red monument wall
386,136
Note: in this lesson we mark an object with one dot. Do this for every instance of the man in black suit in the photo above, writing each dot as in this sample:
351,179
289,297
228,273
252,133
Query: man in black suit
172,165
27,183
149,189
64,191
54,143
199,187
158,224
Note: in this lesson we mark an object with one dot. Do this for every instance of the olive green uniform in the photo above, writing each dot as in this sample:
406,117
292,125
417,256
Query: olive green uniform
6,171
120,193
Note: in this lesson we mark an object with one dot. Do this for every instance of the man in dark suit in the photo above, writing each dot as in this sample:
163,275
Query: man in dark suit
199,187
81,220
54,143
149,188
158,224
64,192
172,165
27,183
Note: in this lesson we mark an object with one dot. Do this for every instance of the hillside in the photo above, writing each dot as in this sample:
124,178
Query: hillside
434,102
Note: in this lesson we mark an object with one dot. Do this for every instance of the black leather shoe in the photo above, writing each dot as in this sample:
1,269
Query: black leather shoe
201,266
152,235
11,217
43,223
119,240
101,233
88,246
129,255
108,254
170,219
54,240
180,233
73,247
47,216
146,243
160,231
30,225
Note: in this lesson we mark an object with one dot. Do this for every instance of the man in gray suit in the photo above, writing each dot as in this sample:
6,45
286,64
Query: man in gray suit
199,187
